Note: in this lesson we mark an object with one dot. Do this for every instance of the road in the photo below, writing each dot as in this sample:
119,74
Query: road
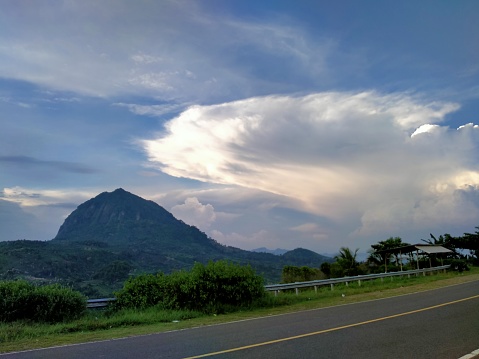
441,323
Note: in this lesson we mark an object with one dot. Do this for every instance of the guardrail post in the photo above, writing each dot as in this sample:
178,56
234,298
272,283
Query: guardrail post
332,286
315,289
297,291
347,284
359,282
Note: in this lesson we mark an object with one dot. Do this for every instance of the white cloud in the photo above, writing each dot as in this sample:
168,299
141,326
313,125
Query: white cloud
173,50
195,213
340,154
427,128
151,110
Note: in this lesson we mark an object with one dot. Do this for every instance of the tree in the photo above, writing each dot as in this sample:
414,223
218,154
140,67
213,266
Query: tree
385,258
445,240
326,269
293,274
347,261
469,241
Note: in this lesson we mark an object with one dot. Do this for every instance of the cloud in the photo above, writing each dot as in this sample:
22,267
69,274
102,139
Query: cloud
194,213
342,155
174,50
151,110
15,223
56,165
28,197
244,241
36,214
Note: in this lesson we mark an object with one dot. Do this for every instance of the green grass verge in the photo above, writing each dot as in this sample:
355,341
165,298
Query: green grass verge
100,325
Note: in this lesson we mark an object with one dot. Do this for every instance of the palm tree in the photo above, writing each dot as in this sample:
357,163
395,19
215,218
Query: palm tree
347,260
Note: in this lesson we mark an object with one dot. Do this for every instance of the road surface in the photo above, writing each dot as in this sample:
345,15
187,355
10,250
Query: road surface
441,323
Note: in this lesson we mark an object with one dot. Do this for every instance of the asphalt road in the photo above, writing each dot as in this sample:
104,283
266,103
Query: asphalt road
442,323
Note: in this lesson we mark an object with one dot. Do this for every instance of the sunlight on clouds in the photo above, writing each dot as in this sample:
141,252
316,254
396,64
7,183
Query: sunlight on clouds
338,153
427,128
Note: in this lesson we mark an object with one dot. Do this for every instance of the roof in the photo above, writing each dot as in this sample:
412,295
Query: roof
432,249
426,248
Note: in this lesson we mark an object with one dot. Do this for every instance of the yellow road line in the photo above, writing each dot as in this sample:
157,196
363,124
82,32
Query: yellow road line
331,329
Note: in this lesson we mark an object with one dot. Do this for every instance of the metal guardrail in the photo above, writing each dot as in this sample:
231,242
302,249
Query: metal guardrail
317,283
104,302
99,303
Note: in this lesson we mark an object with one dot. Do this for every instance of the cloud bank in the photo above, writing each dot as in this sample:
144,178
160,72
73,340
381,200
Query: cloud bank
175,51
384,160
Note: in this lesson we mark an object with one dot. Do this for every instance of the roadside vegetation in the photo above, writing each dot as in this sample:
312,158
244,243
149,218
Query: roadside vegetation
39,316
97,324
23,301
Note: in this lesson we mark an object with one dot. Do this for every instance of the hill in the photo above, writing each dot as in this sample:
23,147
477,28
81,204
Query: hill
118,234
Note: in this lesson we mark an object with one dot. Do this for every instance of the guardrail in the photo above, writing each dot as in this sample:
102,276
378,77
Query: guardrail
99,303
276,288
332,281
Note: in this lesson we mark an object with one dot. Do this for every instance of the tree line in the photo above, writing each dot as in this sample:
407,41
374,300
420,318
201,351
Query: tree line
379,260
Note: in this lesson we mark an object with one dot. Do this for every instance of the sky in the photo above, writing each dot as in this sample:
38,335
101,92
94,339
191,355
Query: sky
278,124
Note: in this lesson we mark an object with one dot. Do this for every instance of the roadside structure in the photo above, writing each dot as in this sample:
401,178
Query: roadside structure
417,249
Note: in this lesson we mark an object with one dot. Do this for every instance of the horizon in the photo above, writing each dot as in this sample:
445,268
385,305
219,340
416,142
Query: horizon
277,124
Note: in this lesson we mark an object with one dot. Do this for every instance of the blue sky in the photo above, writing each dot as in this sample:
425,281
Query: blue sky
313,124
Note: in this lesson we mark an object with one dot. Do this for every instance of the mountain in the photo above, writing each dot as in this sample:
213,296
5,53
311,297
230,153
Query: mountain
118,234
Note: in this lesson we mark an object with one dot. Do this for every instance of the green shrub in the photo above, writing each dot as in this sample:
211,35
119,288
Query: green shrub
293,274
214,287
21,300
12,294
459,265
141,292
222,284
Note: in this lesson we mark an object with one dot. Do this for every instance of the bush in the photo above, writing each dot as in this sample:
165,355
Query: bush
208,288
21,300
293,274
222,284
141,292
459,265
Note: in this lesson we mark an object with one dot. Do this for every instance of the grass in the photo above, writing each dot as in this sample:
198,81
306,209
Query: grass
102,325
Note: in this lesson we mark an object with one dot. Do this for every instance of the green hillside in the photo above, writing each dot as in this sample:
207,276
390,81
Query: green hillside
118,234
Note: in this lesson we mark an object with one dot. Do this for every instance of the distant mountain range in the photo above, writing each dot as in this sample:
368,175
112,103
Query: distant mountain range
118,234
